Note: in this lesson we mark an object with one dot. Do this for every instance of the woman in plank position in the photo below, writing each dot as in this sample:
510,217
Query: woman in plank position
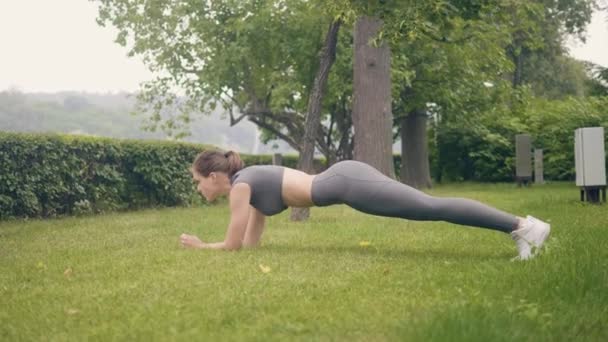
263,190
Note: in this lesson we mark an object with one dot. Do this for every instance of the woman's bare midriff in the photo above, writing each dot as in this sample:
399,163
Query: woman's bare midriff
297,187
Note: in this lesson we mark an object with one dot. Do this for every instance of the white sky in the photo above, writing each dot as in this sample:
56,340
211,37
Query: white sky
595,48
55,45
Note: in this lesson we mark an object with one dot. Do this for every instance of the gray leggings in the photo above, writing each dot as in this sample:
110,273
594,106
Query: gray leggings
366,189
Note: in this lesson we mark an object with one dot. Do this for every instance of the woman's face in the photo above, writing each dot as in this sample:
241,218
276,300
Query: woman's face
209,186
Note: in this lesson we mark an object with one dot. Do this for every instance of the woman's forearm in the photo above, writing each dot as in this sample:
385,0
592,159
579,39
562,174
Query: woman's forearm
221,245
214,245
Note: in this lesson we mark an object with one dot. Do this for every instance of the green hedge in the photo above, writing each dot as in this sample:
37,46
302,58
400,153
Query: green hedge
46,175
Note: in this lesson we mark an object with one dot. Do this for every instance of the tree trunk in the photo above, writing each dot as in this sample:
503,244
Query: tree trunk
518,60
340,128
372,116
327,57
415,169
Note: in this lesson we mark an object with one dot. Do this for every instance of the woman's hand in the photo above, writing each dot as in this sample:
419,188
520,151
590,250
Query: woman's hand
191,241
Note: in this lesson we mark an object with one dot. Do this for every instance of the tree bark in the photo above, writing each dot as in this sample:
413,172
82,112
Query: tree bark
415,170
518,61
372,116
312,128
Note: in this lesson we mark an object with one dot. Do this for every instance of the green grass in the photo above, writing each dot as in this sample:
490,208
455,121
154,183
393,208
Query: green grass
416,281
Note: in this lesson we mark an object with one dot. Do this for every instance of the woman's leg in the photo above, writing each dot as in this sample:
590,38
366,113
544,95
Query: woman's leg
395,199
366,189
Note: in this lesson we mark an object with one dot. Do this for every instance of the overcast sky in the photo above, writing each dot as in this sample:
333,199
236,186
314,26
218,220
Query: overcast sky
55,45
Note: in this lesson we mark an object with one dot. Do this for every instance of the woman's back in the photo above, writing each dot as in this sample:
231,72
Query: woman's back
274,188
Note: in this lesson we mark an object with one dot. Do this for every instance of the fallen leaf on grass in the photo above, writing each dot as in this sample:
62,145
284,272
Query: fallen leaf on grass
265,269
67,272
72,311
364,243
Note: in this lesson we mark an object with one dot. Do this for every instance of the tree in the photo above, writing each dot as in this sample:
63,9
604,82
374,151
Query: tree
257,59
372,115
451,72
438,64
327,57
457,34
598,84
538,30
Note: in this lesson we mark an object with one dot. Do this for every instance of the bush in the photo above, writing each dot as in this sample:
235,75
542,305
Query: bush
46,175
482,148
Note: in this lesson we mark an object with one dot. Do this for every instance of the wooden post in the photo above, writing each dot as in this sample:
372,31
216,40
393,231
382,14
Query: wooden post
523,159
538,166
277,159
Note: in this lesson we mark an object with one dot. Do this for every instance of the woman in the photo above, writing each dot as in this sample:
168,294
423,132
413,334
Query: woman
263,190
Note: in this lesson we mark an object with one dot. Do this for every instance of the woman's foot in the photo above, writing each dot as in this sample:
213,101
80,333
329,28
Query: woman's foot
530,237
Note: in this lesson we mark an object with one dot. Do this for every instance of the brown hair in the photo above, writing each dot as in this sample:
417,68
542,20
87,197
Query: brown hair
217,161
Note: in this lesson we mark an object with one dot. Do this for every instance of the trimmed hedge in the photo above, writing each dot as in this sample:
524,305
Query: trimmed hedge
46,175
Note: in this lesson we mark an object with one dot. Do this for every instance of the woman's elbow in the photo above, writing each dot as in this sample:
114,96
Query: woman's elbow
250,244
233,246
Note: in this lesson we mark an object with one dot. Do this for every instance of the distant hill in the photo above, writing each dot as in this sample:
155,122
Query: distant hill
108,115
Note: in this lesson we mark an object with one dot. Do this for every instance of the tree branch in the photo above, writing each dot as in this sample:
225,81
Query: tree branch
234,121
446,40
278,133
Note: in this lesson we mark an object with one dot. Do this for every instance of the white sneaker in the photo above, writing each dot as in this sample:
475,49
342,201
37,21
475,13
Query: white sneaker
530,237
525,252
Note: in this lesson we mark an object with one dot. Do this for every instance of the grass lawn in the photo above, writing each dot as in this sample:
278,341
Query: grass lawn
123,276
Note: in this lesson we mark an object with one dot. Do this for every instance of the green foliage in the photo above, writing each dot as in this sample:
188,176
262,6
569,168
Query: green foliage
480,145
50,175
256,57
445,66
539,30
598,84
556,76
552,124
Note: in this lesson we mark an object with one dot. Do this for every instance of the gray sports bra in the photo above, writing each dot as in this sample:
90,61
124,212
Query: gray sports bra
266,182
